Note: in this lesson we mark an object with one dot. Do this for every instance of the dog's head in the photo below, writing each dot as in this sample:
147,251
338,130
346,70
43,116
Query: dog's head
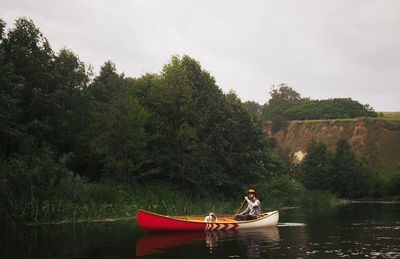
213,216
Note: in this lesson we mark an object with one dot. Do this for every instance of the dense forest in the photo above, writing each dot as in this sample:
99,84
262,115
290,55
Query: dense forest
71,139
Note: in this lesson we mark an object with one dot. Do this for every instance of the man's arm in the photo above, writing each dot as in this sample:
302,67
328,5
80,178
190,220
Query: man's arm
247,210
253,204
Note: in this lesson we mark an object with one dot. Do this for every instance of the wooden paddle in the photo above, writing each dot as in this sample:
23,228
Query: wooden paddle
240,206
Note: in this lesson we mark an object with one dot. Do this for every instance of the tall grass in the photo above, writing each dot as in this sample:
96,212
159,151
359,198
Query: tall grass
104,200
111,200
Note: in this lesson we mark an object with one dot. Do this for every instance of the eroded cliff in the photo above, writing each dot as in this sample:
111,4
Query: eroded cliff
376,140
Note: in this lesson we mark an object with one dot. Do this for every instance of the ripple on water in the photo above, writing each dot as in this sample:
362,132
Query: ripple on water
388,238
390,254
388,227
287,224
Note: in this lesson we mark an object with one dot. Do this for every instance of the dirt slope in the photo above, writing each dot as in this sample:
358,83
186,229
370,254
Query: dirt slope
376,140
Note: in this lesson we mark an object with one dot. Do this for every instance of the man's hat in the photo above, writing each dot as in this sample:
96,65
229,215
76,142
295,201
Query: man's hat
252,191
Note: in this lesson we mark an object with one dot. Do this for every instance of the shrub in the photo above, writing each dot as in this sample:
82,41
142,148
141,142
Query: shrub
394,186
279,191
277,123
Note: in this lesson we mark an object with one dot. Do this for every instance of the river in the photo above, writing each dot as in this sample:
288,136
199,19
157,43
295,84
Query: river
358,230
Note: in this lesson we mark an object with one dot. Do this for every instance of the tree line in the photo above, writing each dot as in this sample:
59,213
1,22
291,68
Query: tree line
60,124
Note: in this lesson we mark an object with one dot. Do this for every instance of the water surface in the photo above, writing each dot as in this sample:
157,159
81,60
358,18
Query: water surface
348,231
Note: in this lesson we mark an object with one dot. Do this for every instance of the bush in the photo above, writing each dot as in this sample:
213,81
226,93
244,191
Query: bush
378,186
35,180
394,186
284,191
277,123
280,191
317,198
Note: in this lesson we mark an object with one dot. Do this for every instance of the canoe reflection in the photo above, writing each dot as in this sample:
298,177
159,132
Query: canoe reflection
151,243
254,242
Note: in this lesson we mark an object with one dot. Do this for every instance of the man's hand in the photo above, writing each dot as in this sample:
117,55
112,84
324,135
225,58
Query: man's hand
246,198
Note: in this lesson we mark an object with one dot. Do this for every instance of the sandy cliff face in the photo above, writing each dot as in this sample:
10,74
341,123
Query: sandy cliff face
376,140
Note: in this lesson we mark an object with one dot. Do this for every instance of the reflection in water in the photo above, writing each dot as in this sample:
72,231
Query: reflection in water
251,240
256,241
152,243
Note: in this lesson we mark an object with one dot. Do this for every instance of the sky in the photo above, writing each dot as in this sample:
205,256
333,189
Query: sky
322,49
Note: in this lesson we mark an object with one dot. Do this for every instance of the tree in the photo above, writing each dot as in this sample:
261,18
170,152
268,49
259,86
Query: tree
107,84
68,102
10,110
316,166
202,139
121,138
285,163
277,123
282,94
253,107
349,177
176,120
30,54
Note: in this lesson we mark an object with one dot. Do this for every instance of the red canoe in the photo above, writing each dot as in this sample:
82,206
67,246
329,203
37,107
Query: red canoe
156,222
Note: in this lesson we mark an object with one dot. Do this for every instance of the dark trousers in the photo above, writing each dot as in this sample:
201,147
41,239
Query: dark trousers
244,217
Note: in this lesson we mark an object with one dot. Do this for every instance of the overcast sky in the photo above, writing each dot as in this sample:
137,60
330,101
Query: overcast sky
323,49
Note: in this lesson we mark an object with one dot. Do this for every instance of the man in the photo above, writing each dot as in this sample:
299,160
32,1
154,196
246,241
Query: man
253,207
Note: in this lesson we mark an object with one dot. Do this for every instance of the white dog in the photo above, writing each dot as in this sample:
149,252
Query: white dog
211,218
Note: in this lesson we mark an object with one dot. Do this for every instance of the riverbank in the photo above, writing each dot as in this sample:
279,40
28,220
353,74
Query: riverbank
109,201
223,212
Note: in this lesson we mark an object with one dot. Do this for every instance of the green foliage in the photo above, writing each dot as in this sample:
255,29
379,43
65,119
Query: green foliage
349,176
200,138
318,198
277,123
336,108
170,142
121,137
342,172
29,53
287,103
378,186
284,190
279,191
107,84
282,94
176,126
253,107
30,179
284,162
316,166
394,184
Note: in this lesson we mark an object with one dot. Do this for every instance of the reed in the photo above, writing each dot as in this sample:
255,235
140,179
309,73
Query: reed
108,200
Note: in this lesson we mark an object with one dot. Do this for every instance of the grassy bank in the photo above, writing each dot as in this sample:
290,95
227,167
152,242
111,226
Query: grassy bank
108,200
391,115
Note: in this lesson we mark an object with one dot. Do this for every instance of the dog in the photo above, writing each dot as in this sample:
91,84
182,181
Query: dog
211,218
